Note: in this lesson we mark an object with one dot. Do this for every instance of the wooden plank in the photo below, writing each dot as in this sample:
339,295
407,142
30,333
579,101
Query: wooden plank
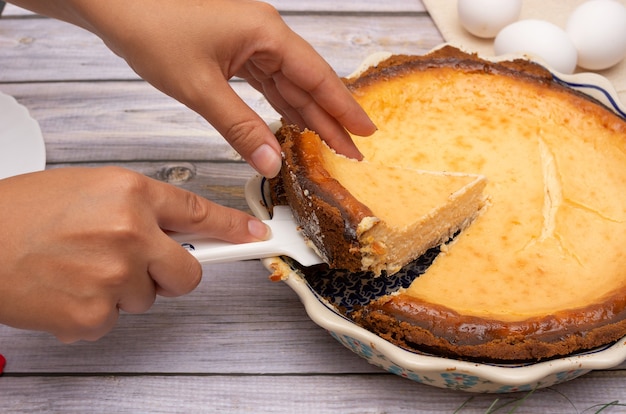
389,6
222,182
48,50
308,6
236,321
121,121
345,40
302,394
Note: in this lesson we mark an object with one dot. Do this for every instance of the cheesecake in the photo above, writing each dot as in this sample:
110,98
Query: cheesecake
541,272
369,217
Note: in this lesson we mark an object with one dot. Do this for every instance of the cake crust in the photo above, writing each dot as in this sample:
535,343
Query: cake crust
417,325
336,212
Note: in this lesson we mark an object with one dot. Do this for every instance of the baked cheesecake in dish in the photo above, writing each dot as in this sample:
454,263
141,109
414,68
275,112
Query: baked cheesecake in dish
541,273
363,216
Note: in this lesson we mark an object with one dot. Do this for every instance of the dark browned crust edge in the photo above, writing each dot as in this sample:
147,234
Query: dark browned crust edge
326,212
414,324
451,57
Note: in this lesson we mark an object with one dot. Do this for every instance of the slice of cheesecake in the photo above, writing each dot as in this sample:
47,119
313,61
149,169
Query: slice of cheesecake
363,216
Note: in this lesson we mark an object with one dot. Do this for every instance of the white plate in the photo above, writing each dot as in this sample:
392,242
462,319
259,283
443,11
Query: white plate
22,147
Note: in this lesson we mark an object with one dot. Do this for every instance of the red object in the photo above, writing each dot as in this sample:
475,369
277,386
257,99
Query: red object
3,362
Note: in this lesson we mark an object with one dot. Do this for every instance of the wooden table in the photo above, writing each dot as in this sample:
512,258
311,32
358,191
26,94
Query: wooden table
239,343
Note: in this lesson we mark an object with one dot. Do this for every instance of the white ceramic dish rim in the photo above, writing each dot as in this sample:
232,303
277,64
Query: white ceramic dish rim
513,375
323,315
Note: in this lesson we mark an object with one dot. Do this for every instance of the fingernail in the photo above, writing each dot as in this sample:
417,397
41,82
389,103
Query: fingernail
258,229
266,161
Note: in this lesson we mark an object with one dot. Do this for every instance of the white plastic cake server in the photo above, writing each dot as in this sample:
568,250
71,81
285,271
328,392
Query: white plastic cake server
285,240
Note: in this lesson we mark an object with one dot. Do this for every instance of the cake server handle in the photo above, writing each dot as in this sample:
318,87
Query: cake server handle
285,240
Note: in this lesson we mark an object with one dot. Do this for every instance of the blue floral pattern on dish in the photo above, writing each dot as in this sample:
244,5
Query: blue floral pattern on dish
348,290
452,379
459,381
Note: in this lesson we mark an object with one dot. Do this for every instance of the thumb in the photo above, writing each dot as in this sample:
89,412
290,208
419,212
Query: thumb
183,211
174,271
246,132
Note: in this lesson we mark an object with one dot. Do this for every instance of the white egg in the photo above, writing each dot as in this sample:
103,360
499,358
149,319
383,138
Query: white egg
598,30
485,18
539,38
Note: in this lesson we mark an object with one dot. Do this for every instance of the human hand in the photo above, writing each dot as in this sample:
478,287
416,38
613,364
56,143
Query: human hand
80,244
190,49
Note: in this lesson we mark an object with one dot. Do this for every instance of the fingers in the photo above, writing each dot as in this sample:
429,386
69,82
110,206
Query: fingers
69,333
318,119
179,210
304,68
143,261
183,211
305,90
248,134
298,107
89,322
267,86
140,291
174,270
307,70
